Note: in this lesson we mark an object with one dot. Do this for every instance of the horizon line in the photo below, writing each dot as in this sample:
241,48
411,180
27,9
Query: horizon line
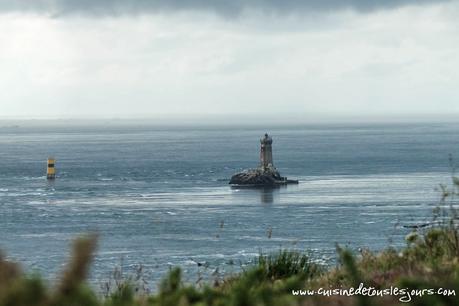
246,119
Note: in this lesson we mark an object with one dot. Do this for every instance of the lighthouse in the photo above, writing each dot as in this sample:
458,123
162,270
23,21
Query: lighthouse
266,152
265,175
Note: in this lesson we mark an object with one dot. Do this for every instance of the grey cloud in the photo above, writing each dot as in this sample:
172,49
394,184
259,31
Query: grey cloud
222,7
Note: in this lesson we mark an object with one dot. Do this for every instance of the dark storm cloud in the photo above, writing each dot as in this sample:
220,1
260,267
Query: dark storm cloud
223,7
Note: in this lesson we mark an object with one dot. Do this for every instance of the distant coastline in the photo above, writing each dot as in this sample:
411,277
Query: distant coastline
232,120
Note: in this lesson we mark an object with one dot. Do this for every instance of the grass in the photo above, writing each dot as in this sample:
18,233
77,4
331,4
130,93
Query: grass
286,263
429,261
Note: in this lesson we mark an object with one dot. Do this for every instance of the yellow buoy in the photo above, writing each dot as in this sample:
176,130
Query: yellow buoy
51,170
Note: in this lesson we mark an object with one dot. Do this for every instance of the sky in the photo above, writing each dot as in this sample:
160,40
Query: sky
198,58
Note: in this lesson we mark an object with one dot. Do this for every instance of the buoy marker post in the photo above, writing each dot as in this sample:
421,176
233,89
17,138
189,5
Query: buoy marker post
51,170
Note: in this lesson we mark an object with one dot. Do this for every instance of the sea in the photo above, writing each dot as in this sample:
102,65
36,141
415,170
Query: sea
158,196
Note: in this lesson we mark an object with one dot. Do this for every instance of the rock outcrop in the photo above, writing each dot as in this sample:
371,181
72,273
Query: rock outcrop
259,177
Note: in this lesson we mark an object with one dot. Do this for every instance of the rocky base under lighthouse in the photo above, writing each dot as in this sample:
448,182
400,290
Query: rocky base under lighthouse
260,178
266,174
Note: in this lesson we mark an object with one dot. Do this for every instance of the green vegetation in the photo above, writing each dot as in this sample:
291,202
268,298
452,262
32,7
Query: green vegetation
428,263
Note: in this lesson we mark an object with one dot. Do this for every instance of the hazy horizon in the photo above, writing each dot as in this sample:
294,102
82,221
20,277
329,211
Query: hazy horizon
232,120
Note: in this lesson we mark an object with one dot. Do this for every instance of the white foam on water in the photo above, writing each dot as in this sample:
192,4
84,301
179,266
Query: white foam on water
101,253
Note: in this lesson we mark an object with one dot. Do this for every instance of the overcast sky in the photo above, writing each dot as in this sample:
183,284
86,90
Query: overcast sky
129,59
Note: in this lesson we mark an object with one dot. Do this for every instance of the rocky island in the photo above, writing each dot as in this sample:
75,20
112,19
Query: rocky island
266,175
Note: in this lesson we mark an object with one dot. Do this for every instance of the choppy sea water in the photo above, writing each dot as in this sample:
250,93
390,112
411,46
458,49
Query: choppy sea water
158,196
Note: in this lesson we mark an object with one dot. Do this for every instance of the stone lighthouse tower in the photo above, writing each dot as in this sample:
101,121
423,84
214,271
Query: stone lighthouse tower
264,175
266,153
